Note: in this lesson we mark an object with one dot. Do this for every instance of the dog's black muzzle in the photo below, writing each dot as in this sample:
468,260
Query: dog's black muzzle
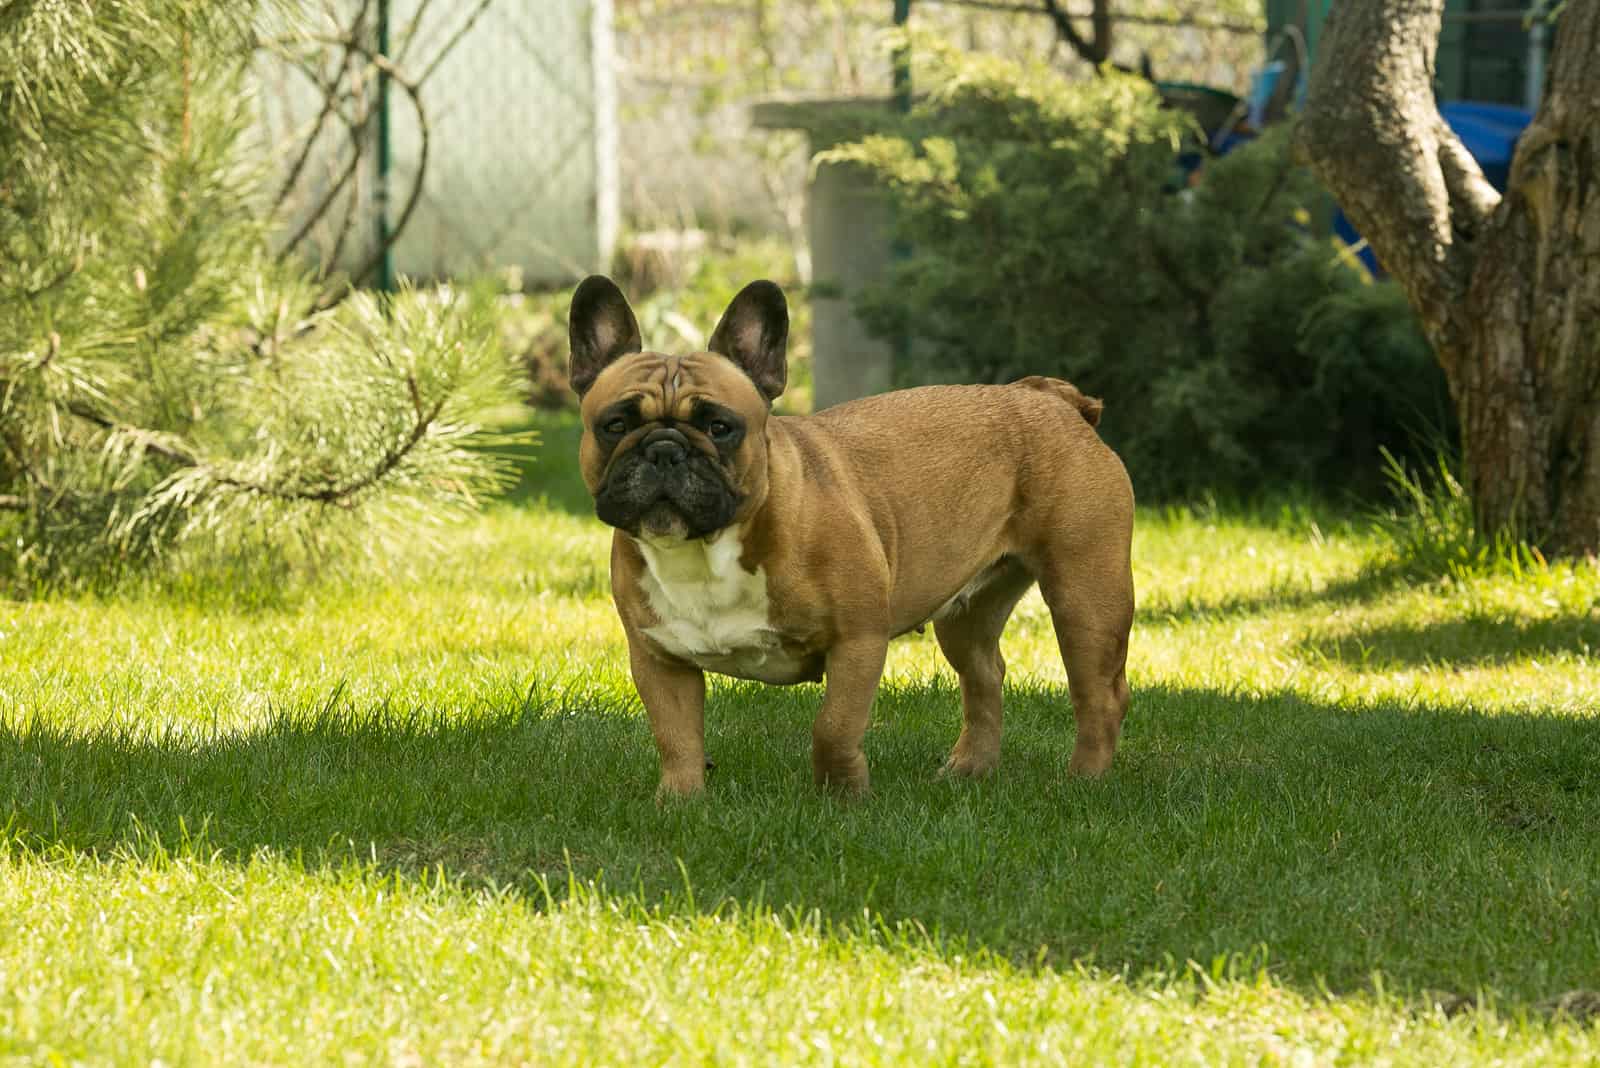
665,471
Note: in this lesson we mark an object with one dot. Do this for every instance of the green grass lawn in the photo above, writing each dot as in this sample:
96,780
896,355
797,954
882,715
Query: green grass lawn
409,819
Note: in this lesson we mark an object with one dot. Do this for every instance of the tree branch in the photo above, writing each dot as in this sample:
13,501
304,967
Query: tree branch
412,88
1472,198
413,92
1098,49
148,440
349,82
337,494
341,493
1372,133
330,101
10,502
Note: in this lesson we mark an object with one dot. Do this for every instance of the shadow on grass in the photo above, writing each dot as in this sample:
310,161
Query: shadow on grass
1368,584
1449,850
1460,642
547,472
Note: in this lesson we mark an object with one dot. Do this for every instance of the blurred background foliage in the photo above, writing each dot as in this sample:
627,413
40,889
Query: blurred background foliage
1048,231
179,385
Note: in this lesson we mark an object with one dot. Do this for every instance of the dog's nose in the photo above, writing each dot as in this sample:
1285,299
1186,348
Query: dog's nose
665,452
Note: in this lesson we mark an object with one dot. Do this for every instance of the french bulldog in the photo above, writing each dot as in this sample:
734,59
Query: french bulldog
793,548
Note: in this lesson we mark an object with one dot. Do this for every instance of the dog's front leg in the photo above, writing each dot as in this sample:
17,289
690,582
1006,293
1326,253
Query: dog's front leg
853,668
674,696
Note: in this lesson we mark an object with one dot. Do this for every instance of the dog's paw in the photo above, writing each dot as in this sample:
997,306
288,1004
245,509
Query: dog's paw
976,755
848,792
969,766
839,769
681,786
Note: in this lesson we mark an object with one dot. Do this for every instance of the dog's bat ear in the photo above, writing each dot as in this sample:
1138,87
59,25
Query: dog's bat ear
754,333
600,328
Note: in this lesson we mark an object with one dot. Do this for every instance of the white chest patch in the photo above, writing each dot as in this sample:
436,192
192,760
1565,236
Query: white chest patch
713,612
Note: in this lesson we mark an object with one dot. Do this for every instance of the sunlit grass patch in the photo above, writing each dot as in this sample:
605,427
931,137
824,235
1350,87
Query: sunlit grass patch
408,817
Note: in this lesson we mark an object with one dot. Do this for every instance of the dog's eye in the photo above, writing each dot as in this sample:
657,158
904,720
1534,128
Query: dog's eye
719,429
616,427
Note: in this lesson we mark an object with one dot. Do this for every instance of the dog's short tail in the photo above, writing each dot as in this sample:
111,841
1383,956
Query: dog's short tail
1088,407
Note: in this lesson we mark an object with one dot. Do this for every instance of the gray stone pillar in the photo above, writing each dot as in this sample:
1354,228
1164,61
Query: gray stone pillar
847,221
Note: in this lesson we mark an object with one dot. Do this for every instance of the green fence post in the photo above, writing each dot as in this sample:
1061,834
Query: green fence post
902,60
898,250
381,193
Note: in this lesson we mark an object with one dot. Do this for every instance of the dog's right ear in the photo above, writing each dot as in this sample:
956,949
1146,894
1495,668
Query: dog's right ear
600,328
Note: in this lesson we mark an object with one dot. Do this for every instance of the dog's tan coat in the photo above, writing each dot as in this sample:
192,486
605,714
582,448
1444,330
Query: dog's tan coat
864,521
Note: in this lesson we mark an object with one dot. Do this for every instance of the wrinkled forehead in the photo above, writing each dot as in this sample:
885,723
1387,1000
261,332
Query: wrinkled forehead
667,386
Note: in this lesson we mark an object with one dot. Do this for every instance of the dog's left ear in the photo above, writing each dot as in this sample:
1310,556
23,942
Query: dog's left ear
754,333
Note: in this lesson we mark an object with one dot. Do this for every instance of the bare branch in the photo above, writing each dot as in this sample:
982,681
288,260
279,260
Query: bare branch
330,101
334,189
1100,24
347,225
1094,51
408,36
451,41
348,83
413,92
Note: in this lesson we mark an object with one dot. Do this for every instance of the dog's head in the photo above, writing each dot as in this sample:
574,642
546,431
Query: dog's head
676,446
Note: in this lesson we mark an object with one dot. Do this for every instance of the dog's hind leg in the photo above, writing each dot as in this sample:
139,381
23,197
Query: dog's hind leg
969,636
1090,596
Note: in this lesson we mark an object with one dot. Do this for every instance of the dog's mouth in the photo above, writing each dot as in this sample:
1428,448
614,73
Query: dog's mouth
662,520
688,498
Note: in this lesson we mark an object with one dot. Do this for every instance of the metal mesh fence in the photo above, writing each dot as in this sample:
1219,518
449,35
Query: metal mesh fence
688,71
501,142
520,132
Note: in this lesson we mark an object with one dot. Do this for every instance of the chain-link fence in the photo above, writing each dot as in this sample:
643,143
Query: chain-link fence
469,136
689,70
457,138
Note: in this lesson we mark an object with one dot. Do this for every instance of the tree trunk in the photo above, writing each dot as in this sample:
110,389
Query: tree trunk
1508,288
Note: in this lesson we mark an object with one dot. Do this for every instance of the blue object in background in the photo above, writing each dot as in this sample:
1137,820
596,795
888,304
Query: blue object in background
1263,85
1265,81
1489,132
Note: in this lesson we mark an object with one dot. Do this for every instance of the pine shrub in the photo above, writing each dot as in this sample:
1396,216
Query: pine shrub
165,382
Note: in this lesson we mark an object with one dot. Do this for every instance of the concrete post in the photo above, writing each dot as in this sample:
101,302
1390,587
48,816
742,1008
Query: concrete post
847,221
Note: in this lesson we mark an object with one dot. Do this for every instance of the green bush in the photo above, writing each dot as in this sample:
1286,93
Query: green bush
1045,234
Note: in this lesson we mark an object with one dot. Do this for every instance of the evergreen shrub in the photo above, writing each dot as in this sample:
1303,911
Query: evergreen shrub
167,382
1044,230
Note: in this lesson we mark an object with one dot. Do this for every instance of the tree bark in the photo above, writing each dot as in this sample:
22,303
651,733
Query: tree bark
1507,288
